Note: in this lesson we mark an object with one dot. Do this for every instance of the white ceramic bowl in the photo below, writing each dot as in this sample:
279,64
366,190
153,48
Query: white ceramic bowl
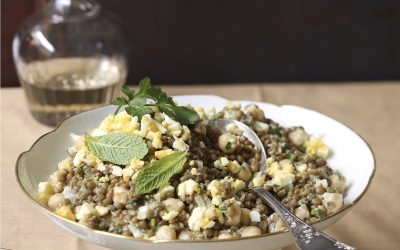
351,156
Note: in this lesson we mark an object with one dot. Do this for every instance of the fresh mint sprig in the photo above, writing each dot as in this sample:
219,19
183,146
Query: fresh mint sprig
118,147
158,172
137,104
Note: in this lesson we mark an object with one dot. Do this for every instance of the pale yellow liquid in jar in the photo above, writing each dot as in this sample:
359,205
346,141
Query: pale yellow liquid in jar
59,88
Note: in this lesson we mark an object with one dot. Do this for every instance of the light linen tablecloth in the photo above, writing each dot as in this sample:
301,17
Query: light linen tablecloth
372,109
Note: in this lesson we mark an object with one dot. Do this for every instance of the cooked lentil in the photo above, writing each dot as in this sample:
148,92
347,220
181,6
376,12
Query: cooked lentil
208,199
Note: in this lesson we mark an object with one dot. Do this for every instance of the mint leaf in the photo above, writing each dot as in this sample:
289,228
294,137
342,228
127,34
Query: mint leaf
118,148
158,172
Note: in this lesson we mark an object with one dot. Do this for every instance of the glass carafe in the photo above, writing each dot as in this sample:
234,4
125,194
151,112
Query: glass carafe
70,57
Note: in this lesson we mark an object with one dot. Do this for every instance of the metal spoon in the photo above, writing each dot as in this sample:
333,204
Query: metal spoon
306,237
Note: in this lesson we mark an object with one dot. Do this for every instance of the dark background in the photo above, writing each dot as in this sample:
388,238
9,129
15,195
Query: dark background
186,42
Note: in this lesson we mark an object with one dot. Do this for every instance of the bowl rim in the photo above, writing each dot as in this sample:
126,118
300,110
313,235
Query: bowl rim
44,209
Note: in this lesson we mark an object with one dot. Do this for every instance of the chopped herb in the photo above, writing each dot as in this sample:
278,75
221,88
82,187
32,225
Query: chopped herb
228,145
274,129
153,224
81,169
292,157
113,209
316,212
133,203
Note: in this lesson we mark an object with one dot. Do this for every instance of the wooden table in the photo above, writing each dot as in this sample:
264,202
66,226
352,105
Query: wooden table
372,109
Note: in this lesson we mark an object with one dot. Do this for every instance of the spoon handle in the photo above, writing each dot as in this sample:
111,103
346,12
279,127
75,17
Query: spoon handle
305,236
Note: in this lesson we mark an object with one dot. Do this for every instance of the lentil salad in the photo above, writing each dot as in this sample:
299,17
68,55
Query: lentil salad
208,198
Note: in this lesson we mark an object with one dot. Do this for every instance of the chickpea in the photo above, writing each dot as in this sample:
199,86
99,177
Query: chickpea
166,233
235,114
257,113
244,174
234,213
320,190
185,235
56,201
245,217
250,231
223,236
254,165
338,182
172,204
297,137
228,142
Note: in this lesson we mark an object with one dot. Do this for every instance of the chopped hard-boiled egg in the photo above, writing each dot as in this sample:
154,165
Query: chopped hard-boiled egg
65,164
188,187
282,173
239,185
84,212
180,145
169,215
127,173
104,179
234,129
221,162
302,212
166,190
143,212
120,195
316,147
258,179
323,183
255,216
275,223
66,212
121,122
301,168
148,124
116,170
162,153
79,156
157,140
186,133
338,182
101,211
216,188
203,218
45,190
172,208
332,201
173,127
136,164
